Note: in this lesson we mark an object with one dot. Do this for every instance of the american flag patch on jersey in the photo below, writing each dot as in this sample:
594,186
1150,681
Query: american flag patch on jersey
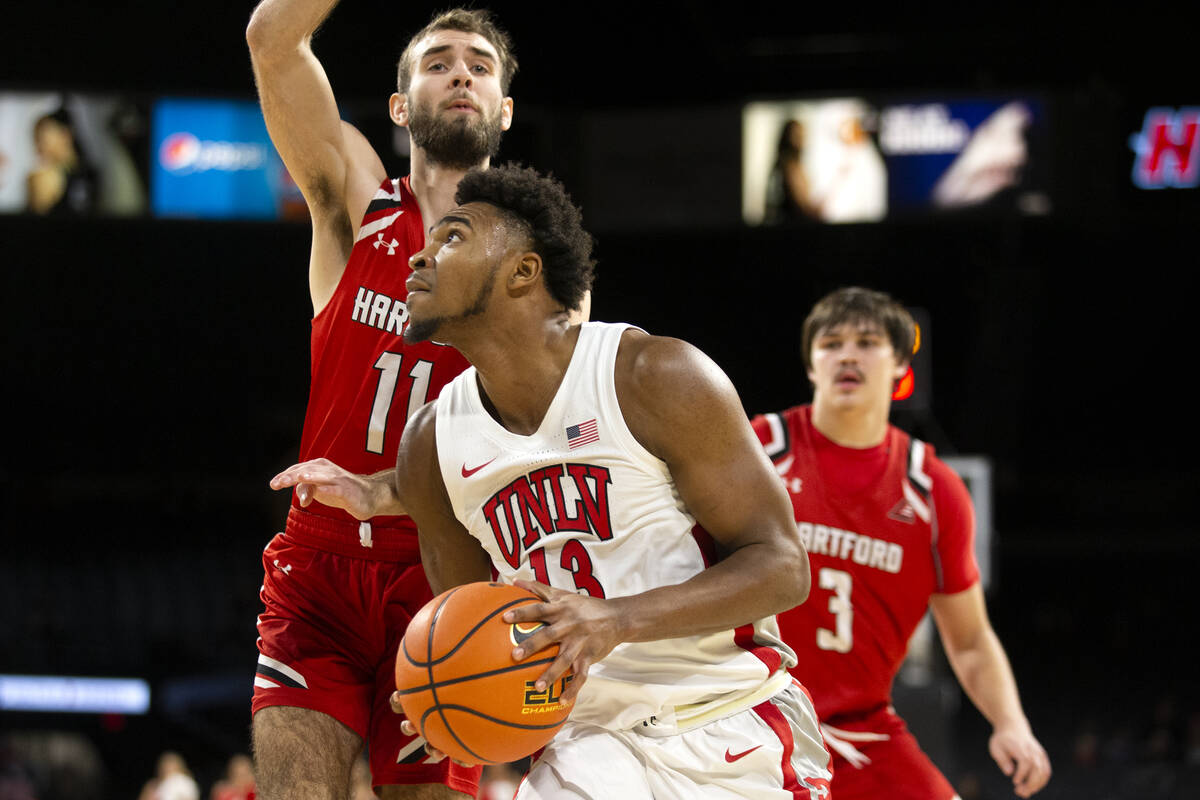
581,434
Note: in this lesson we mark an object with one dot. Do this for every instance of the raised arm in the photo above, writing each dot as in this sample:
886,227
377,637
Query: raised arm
683,409
450,555
332,163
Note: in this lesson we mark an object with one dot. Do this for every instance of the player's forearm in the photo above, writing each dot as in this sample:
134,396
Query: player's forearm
753,582
385,499
451,563
280,26
984,672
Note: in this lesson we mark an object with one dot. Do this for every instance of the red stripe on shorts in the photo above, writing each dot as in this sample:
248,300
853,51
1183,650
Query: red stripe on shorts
774,718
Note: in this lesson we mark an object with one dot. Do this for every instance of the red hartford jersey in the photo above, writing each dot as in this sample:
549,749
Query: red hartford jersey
885,528
366,381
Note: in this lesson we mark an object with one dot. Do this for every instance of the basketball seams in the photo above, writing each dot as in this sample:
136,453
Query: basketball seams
480,759
465,637
503,722
429,654
475,675
481,704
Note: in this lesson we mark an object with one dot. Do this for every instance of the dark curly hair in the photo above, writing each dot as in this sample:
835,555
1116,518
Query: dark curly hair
540,206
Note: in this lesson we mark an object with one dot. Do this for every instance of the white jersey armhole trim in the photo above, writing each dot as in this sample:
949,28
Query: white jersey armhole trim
622,436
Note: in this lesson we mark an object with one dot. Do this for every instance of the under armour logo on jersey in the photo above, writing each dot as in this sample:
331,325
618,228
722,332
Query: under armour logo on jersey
391,246
903,512
286,569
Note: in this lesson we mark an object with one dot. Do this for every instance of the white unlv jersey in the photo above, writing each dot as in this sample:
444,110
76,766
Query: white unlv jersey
581,505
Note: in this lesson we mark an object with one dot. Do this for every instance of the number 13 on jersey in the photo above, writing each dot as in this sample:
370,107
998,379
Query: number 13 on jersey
389,365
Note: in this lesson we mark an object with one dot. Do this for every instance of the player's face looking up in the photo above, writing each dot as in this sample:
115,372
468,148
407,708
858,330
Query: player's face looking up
455,108
455,273
854,365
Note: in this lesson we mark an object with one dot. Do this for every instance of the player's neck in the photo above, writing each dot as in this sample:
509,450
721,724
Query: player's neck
434,186
859,427
520,368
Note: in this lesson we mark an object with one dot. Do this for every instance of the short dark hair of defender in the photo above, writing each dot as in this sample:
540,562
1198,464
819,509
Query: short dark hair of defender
857,305
467,20
541,206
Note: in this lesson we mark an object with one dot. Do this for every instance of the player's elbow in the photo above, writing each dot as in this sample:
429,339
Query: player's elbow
803,575
257,33
266,37
793,580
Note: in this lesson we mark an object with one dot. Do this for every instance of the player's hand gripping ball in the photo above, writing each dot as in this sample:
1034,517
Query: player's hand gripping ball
459,685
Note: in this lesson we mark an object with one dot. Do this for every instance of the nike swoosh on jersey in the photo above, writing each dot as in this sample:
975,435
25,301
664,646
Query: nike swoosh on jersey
466,473
730,757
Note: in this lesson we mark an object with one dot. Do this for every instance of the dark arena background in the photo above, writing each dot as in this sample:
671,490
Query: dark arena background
156,348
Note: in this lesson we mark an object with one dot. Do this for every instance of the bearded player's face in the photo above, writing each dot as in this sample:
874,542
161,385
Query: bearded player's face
455,109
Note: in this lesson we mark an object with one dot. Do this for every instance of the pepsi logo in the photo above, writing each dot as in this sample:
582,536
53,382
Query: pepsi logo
179,151
182,153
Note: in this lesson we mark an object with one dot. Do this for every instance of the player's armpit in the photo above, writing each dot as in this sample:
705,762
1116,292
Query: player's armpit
682,408
450,555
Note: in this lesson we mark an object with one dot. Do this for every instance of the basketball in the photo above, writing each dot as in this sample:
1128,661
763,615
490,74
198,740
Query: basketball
458,683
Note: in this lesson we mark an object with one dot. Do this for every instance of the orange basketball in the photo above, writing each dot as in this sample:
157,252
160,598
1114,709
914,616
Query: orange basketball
458,682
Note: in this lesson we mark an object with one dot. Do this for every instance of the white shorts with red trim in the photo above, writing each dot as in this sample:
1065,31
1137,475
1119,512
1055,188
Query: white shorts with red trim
772,751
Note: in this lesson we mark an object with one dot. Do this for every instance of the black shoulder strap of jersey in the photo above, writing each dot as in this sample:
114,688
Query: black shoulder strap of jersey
780,443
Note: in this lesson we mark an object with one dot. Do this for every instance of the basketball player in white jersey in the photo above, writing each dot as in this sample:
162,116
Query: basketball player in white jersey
615,474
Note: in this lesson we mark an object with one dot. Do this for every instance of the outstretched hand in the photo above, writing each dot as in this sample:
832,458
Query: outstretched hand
585,628
362,496
1022,758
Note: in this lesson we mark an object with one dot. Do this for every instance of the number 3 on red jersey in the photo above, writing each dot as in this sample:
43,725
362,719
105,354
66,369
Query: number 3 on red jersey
841,639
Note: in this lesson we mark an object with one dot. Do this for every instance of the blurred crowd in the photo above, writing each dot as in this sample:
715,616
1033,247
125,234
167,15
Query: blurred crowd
1154,755
63,767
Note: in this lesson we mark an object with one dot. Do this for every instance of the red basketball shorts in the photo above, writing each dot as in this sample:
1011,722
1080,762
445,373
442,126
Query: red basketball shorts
328,635
875,755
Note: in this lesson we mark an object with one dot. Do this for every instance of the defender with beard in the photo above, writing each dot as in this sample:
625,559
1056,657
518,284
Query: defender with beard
339,590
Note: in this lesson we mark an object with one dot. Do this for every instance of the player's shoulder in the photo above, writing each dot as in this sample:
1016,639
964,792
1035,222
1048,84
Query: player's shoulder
923,458
663,365
669,391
